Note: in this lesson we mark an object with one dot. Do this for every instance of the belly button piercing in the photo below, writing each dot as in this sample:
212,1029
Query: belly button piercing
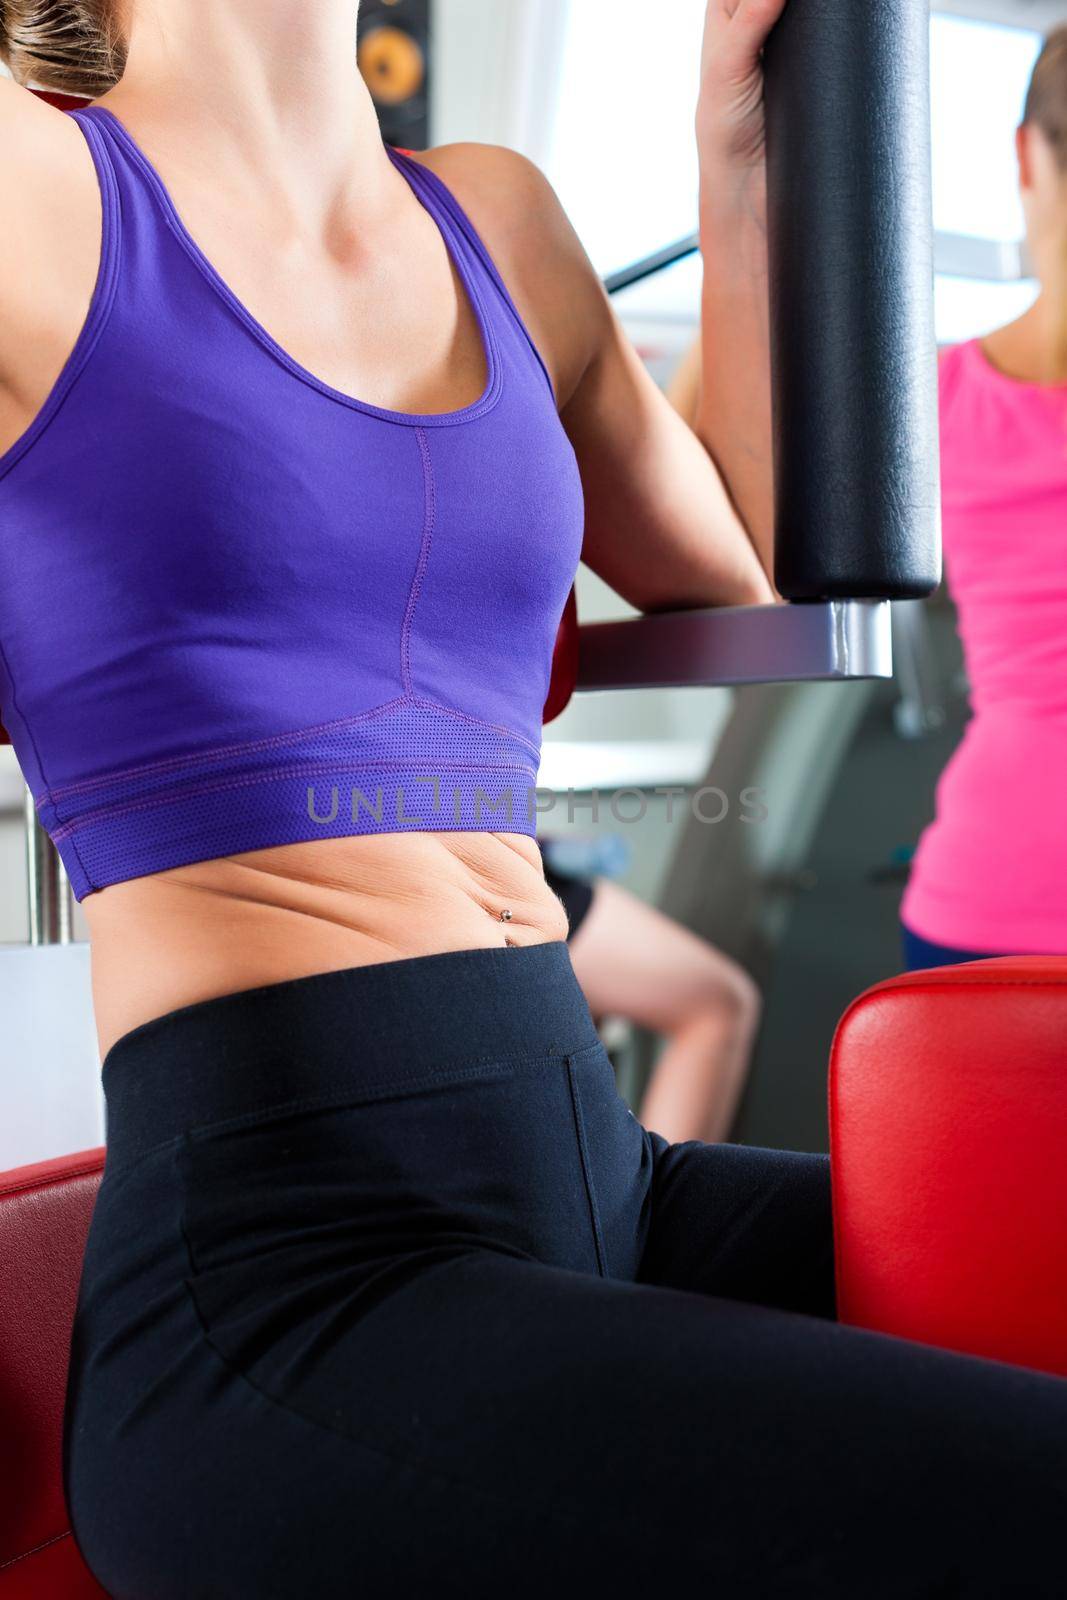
505,916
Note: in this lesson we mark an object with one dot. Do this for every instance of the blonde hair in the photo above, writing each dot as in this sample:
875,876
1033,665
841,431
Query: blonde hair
71,46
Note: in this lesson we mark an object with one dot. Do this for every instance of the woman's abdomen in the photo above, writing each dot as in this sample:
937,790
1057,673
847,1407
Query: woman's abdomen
172,938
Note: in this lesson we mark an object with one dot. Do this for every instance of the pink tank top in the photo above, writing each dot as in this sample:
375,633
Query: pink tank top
990,873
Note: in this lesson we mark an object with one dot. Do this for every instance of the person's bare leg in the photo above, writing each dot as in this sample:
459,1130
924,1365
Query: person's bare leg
633,961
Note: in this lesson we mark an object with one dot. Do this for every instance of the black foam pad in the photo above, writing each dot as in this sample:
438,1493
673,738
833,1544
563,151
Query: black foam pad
853,352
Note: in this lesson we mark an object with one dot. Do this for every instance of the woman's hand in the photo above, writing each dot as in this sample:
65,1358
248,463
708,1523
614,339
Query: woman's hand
734,401
730,121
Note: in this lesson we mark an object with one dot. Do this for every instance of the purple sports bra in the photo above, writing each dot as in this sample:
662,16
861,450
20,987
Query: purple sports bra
241,609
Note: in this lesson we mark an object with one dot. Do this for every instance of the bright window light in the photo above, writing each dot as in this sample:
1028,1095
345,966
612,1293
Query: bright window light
623,151
980,74
673,293
966,308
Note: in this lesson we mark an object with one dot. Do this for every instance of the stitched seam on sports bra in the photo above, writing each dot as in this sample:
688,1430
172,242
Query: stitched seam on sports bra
428,523
153,802
266,341
220,752
103,298
464,223
478,722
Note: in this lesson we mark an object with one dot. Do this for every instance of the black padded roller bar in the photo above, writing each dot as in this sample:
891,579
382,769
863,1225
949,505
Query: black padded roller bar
853,353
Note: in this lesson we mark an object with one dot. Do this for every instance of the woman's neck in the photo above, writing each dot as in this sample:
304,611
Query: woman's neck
1033,349
261,90
1045,324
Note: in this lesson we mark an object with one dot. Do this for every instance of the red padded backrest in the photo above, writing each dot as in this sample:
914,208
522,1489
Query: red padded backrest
948,1127
64,102
564,662
44,1219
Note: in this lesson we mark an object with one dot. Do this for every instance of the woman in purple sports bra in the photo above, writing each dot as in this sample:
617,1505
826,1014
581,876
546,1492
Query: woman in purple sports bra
386,1292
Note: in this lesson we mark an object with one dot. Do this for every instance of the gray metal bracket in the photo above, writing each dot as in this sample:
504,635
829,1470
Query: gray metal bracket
833,640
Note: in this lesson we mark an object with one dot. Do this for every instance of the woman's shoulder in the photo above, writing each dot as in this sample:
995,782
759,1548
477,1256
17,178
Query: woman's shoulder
491,173
512,206
518,216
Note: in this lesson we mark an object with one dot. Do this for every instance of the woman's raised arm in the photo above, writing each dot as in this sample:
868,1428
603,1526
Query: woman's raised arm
673,520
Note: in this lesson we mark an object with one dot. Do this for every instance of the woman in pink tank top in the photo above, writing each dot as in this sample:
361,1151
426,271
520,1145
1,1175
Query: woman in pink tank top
990,874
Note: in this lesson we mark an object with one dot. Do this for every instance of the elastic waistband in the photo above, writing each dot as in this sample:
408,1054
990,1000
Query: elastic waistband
385,1027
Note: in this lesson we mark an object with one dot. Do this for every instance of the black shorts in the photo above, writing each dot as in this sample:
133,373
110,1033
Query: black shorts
386,1293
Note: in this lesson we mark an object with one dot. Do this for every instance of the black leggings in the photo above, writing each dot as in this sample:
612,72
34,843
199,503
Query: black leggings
387,1294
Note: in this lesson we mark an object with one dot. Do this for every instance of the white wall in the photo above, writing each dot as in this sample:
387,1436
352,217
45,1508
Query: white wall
51,1103
1042,14
495,67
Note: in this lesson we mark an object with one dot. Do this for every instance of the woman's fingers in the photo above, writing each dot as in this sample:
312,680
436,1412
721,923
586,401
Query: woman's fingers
756,18
736,32
730,114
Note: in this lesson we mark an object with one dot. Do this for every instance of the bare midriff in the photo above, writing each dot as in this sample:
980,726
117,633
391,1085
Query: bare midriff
216,927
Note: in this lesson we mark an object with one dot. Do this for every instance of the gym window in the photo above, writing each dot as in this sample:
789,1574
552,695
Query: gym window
621,155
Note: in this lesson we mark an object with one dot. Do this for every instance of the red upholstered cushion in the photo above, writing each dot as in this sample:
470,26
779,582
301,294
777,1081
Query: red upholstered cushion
64,102
948,1114
54,1572
564,662
44,1219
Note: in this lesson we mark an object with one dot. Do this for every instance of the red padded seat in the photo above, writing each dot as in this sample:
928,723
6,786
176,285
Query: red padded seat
44,1220
948,1129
